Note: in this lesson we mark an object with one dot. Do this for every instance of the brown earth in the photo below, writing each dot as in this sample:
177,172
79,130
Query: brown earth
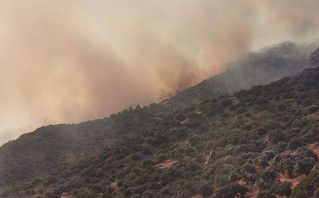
167,164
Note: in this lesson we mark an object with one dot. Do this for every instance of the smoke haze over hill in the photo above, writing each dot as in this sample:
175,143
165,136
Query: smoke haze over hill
69,61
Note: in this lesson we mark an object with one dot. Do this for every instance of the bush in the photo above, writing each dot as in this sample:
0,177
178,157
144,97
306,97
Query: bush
301,194
161,158
307,186
192,165
193,124
307,102
193,139
268,175
158,140
148,163
183,193
261,101
97,188
234,177
136,196
232,190
313,109
261,131
262,185
276,136
135,156
241,110
282,189
282,107
266,194
205,189
180,117
305,165
297,124
181,133
221,180
246,127
295,143
52,180
249,168
226,102
147,151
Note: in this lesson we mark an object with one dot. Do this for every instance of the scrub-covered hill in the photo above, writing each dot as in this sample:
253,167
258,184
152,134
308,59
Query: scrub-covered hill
50,146
256,68
262,142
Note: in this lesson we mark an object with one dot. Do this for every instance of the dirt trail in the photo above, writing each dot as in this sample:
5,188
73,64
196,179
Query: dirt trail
167,164
114,186
295,181
314,147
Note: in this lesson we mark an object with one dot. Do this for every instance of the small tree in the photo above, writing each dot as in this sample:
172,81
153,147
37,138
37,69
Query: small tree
269,175
305,165
295,143
282,189
205,189
266,194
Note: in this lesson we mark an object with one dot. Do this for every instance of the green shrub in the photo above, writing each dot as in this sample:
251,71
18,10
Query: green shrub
193,124
180,117
147,151
261,131
147,163
276,136
282,107
313,109
205,189
295,143
305,165
241,110
135,156
161,158
226,102
192,165
52,180
266,194
307,186
158,140
282,189
269,175
97,188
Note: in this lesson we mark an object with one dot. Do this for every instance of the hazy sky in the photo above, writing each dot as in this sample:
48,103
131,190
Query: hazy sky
68,61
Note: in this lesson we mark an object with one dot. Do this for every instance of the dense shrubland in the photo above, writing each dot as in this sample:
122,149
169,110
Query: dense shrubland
261,142
254,142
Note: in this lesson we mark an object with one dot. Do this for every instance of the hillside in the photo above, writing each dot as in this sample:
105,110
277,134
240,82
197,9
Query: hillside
50,146
262,141
256,68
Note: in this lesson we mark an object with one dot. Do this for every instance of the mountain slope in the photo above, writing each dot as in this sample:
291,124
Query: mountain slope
50,146
256,68
261,141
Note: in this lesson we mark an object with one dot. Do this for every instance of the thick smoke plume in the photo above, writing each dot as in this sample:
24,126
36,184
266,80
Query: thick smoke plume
69,61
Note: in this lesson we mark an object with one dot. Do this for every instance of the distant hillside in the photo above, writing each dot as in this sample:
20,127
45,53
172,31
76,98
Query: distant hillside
50,146
314,58
262,143
47,148
256,68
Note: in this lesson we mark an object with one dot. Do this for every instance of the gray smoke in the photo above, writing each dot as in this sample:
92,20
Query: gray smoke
70,61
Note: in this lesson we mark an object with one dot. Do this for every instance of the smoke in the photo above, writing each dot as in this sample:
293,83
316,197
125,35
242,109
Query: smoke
74,60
